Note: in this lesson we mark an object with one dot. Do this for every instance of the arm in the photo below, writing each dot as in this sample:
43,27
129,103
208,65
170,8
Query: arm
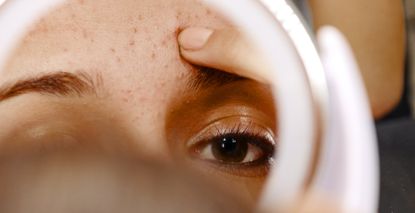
375,30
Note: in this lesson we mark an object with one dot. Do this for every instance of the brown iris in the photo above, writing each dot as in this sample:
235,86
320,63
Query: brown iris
230,148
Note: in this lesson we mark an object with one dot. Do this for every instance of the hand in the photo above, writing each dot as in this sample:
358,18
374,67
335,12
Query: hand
224,49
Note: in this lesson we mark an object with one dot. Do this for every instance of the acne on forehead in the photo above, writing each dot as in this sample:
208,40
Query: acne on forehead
156,21
127,38
126,33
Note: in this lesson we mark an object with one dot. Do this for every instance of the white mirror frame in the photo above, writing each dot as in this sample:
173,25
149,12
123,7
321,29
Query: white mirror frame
320,106
297,70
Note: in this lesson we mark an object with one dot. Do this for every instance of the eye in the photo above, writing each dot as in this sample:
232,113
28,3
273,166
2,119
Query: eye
235,148
239,147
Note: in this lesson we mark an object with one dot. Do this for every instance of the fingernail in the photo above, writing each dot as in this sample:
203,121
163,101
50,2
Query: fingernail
194,38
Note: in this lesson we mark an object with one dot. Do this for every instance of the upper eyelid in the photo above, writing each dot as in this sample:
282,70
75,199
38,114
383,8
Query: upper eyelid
251,122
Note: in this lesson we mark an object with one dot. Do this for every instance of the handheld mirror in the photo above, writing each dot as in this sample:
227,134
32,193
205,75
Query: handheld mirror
128,52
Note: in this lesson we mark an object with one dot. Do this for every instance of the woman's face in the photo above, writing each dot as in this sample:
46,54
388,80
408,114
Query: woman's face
108,75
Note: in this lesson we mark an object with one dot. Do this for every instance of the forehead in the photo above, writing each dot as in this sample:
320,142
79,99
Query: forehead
130,43
126,38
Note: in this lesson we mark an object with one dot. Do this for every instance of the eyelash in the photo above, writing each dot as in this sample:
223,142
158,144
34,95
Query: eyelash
258,136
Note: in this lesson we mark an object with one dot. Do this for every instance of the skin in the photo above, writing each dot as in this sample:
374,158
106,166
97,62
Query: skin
142,104
378,40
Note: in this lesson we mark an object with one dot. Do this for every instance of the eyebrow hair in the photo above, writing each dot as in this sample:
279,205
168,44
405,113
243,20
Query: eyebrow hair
57,83
80,83
204,77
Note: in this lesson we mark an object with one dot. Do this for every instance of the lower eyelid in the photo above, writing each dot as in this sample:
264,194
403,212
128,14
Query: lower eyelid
255,170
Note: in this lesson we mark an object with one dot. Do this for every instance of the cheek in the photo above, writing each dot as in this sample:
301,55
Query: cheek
249,189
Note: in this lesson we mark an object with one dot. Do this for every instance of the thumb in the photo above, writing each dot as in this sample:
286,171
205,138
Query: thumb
224,49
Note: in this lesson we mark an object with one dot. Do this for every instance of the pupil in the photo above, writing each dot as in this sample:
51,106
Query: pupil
230,149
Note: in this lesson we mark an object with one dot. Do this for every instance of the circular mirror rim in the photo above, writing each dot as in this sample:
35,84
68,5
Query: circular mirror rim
276,28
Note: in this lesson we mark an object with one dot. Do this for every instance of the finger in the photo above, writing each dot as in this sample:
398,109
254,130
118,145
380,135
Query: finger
225,49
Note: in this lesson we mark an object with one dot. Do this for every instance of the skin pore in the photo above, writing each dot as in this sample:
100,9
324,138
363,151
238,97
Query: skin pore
127,88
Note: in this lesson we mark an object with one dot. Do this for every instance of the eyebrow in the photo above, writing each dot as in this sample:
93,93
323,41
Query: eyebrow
57,83
204,77
80,83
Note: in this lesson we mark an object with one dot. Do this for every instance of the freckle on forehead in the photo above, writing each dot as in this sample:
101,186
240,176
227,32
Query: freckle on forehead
84,33
179,14
208,12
